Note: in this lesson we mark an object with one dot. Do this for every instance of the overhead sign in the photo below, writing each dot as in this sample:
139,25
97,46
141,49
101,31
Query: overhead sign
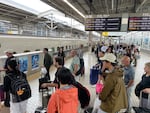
139,24
103,24
105,33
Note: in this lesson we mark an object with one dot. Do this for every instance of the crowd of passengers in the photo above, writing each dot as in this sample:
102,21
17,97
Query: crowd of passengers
116,73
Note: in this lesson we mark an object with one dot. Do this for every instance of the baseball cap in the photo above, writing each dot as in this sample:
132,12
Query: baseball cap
109,57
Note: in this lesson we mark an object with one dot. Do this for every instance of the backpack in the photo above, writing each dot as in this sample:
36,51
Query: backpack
83,94
20,87
80,69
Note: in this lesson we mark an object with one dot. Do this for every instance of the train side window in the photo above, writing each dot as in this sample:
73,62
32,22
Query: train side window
37,50
25,51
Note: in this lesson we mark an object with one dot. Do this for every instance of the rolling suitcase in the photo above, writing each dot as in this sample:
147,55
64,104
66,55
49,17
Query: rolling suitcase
94,75
45,98
144,109
43,79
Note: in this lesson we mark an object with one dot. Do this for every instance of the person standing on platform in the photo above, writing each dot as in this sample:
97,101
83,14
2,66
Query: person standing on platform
61,54
129,75
19,93
99,65
142,89
65,99
58,63
113,96
9,54
80,54
75,64
48,61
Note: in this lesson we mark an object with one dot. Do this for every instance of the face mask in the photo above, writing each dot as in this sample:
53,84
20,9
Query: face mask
107,71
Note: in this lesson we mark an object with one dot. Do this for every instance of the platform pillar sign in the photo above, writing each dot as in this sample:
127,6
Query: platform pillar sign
90,37
105,34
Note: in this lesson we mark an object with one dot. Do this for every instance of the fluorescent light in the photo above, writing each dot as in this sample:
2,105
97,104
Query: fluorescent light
74,8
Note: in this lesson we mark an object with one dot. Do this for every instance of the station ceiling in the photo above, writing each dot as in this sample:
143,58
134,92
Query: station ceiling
98,7
17,15
87,7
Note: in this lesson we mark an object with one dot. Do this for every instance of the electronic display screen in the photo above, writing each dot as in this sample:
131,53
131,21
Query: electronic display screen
103,24
139,24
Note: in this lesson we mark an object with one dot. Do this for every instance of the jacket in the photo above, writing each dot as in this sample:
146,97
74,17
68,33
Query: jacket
64,101
113,96
47,60
144,83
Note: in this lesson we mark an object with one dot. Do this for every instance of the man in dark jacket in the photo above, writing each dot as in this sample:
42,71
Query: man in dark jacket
48,61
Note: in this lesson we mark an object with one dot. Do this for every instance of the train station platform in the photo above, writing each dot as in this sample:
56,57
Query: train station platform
90,60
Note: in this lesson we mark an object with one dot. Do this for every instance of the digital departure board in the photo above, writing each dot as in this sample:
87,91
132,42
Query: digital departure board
139,24
103,24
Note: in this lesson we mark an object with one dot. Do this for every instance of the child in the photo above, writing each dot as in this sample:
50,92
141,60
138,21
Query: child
65,99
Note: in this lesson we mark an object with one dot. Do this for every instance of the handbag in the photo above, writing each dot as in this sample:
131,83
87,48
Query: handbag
43,71
99,87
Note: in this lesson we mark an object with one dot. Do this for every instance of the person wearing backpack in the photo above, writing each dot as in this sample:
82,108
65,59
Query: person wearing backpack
80,55
75,65
20,91
65,99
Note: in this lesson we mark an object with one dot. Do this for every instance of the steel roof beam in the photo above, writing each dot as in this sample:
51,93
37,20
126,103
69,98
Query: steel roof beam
140,6
14,12
81,6
55,5
90,6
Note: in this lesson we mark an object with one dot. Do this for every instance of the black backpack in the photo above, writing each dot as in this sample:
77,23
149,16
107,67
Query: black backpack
20,87
83,94
80,69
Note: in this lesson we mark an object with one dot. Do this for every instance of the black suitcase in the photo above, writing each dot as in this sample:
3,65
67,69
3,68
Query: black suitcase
45,99
144,109
42,80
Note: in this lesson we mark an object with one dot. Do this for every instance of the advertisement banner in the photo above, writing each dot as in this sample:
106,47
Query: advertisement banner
23,63
35,61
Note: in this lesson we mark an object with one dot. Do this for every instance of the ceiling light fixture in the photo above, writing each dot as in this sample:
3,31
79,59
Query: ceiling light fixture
74,8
